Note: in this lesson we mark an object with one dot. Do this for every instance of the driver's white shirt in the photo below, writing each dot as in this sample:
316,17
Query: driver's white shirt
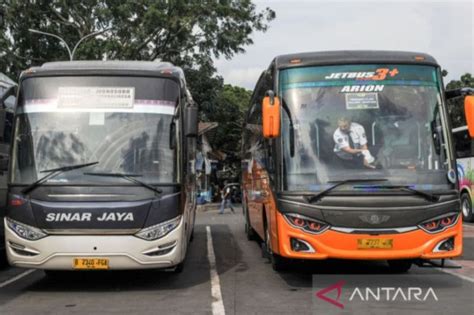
357,134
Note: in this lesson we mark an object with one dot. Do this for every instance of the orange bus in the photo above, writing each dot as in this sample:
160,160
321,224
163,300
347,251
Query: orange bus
349,155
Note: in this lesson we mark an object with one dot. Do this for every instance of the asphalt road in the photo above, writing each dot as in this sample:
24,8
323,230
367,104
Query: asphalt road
241,283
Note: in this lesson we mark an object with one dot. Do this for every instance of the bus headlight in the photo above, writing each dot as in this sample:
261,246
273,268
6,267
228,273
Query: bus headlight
440,223
157,231
307,224
25,231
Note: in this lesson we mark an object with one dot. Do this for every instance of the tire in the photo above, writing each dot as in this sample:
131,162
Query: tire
56,274
3,259
249,231
466,207
278,263
400,266
3,255
179,267
192,236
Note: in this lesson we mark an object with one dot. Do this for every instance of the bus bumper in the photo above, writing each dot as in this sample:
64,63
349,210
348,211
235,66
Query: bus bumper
57,252
416,244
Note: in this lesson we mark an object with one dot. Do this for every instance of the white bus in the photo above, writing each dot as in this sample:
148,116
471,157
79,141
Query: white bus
98,177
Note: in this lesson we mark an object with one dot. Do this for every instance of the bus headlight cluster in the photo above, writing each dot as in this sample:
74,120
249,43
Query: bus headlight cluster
159,230
440,223
306,224
25,231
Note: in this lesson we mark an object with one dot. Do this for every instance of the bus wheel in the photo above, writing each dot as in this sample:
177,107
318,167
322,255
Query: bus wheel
249,231
3,259
278,263
400,266
56,274
179,267
192,236
466,207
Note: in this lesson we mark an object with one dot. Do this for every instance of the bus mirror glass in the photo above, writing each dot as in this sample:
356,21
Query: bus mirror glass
7,99
436,135
271,116
172,140
469,112
191,121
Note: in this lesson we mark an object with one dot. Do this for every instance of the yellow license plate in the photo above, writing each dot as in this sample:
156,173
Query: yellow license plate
367,243
90,263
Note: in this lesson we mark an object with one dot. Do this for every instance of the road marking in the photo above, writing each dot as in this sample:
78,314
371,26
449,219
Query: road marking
451,272
467,267
17,277
217,302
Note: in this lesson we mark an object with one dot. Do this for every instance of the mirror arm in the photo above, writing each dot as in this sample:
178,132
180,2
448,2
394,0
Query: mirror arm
292,128
271,94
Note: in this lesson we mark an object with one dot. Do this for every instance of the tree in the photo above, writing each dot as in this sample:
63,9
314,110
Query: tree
187,33
229,110
455,108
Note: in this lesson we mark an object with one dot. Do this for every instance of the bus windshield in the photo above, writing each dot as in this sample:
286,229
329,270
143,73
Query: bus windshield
363,121
122,122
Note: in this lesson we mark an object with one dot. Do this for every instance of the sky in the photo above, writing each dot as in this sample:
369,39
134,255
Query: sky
443,29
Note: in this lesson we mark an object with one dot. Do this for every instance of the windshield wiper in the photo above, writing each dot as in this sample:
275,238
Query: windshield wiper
427,196
129,177
318,196
54,172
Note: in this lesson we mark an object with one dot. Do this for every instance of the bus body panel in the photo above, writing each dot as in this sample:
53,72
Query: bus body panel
416,244
123,251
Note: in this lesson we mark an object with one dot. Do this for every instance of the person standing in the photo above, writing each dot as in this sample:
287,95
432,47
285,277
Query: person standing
226,202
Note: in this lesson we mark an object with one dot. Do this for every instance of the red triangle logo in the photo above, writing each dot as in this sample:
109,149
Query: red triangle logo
337,286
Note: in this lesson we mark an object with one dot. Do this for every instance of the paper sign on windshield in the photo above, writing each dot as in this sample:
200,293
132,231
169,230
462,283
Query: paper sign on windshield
362,101
96,97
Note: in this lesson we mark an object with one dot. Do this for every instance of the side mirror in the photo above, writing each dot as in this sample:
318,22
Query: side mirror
469,112
271,115
191,122
9,93
436,135
172,140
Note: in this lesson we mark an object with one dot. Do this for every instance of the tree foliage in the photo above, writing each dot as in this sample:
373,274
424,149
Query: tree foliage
456,108
187,33
229,110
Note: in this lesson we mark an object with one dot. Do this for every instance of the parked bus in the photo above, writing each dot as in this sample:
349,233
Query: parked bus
348,155
464,149
7,97
98,177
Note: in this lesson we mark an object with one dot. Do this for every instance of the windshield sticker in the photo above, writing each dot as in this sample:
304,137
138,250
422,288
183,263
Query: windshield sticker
140,106
362,88
377,75
362,101
349,75
98,97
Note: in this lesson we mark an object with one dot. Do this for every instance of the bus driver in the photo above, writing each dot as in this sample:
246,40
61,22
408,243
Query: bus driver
351,144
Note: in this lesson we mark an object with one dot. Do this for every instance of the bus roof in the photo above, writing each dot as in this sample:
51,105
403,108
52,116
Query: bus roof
113,67
353,57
